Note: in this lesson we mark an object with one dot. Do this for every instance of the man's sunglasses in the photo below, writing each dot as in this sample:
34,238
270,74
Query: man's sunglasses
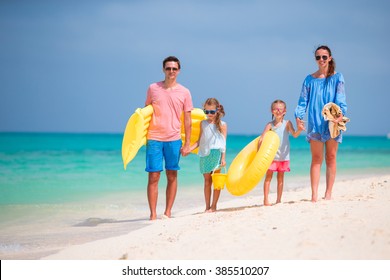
171,69
212,112
324,57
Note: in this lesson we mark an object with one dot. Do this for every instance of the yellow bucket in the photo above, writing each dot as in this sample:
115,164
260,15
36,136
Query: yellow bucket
219,180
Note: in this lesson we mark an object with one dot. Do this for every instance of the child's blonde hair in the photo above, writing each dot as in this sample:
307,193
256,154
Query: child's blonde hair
220,111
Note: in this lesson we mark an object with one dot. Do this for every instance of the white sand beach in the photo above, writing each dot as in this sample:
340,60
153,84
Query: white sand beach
354,225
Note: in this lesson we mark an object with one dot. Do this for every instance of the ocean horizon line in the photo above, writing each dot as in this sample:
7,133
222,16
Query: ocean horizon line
120,133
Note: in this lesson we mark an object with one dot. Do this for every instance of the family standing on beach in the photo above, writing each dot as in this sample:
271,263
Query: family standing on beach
170,100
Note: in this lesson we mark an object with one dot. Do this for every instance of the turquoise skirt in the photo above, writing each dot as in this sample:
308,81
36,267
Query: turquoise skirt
208,163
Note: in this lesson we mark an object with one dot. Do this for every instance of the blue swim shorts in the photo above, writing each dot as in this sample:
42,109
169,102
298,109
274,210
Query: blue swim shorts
157,151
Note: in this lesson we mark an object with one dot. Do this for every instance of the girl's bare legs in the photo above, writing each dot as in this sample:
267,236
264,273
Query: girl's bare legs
280,187
207,189
331,166
216,194
317,154
267,182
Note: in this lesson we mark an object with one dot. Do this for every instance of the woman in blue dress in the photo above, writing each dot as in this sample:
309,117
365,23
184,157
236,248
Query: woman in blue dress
323,86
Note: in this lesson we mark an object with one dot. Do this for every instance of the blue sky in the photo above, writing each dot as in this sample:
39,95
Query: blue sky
84,66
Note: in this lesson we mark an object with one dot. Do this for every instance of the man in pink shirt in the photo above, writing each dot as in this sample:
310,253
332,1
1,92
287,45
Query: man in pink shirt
169,100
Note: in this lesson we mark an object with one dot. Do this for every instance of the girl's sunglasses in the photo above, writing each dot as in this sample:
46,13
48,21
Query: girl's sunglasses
212,112
324,57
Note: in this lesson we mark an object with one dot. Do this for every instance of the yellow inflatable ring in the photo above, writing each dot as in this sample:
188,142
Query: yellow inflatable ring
250,165
137,127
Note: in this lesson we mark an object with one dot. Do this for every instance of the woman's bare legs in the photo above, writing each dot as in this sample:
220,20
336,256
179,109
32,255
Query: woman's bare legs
317,155
331,166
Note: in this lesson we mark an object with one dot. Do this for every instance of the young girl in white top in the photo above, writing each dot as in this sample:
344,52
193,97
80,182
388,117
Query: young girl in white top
281,161
212,148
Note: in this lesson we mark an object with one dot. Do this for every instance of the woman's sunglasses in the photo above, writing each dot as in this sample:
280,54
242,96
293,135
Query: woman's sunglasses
212,112
324,57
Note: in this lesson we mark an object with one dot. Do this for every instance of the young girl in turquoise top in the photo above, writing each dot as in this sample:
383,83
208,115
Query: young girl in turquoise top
323,86
281,162
212,148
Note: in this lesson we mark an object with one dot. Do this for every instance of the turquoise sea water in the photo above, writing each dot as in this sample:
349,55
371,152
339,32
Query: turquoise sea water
54,168
63,189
